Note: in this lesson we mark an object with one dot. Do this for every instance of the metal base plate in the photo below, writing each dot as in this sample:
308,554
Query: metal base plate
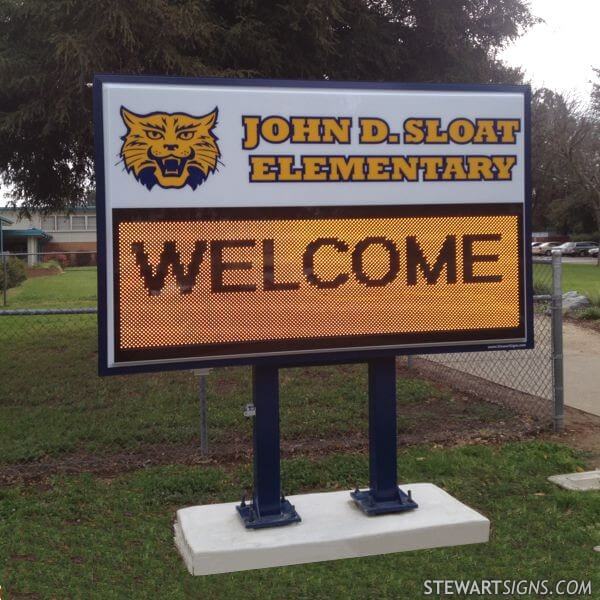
253,520
367,503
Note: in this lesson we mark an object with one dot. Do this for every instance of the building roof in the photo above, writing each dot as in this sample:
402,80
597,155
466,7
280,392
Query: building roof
25,233
5,220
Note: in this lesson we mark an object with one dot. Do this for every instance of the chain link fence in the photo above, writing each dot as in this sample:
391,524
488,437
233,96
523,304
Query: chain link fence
524,381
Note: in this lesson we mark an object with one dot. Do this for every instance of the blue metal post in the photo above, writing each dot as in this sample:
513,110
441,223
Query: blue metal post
384,495
382,429
267,477
268,508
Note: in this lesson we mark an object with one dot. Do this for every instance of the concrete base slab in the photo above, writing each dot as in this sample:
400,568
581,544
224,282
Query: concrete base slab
579,482
212,538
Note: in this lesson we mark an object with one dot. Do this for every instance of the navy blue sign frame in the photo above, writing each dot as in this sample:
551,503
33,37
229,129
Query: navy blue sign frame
313,358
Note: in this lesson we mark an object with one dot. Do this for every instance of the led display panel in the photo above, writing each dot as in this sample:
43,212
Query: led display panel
308,252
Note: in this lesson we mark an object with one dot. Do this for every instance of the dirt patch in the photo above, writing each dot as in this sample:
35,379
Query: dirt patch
33,272
461,417
582,431
591,324
448,421
235,453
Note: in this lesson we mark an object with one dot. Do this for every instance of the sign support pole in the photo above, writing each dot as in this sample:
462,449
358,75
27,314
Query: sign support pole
268,507
384,495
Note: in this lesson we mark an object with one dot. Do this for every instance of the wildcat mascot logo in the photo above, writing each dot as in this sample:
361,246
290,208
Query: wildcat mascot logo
170,150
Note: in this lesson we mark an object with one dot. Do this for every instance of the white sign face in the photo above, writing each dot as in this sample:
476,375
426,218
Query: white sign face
354,146
225,199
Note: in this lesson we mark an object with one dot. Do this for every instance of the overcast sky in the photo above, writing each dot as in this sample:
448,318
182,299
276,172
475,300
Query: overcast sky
560,52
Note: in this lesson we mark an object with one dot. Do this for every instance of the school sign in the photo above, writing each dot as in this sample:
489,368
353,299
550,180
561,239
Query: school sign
259,222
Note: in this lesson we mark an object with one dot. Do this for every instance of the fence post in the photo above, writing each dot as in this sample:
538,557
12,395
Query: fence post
203,417
202,373
557,343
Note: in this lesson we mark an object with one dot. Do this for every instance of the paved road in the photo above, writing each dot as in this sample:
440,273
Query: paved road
573,260
582,368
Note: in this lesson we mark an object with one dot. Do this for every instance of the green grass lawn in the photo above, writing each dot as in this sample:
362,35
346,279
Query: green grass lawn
88,537
75,288
584,279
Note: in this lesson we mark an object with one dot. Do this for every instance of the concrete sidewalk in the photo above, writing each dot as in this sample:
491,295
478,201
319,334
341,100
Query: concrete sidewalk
582,368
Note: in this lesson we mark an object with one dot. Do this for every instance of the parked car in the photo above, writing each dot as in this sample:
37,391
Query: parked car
545,248
594,252
577,248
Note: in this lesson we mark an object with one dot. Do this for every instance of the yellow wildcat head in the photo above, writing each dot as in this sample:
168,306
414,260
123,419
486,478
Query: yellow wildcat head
169,149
